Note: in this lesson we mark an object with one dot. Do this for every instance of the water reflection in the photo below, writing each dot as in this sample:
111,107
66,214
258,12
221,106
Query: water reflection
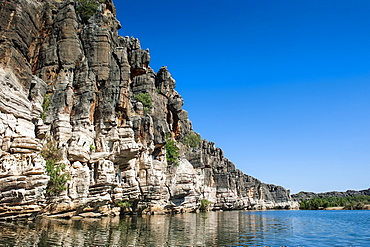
202,229
234,228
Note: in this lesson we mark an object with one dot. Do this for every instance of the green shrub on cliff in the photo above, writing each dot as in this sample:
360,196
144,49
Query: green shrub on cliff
58,178
45,105
146,100
172,152
192,140
87,8
51,152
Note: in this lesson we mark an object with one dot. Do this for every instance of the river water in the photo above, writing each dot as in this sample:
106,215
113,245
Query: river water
231,228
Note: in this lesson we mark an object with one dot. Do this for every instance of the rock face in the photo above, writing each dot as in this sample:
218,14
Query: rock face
71,85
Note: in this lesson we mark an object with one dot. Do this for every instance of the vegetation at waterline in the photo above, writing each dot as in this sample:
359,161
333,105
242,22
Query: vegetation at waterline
204,204
124,204
58,178
349,202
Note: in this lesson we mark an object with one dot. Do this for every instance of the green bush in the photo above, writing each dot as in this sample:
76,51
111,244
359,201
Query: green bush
58,178
146,100
204,204
124,204
192,140
51,152
45,105
87,8
172,152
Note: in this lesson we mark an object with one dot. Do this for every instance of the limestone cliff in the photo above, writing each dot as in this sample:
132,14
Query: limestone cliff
77,97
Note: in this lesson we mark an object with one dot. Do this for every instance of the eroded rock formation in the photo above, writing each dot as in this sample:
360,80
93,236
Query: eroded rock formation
74,83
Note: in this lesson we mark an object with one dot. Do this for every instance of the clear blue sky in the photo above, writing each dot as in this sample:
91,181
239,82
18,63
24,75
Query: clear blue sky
283,87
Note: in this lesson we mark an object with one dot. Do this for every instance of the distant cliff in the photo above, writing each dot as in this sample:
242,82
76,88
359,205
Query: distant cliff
309,195
88,128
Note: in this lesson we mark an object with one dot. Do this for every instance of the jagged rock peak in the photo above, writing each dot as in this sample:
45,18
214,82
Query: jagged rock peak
87,126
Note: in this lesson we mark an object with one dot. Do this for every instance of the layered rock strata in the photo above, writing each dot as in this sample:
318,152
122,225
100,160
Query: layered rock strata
73,85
